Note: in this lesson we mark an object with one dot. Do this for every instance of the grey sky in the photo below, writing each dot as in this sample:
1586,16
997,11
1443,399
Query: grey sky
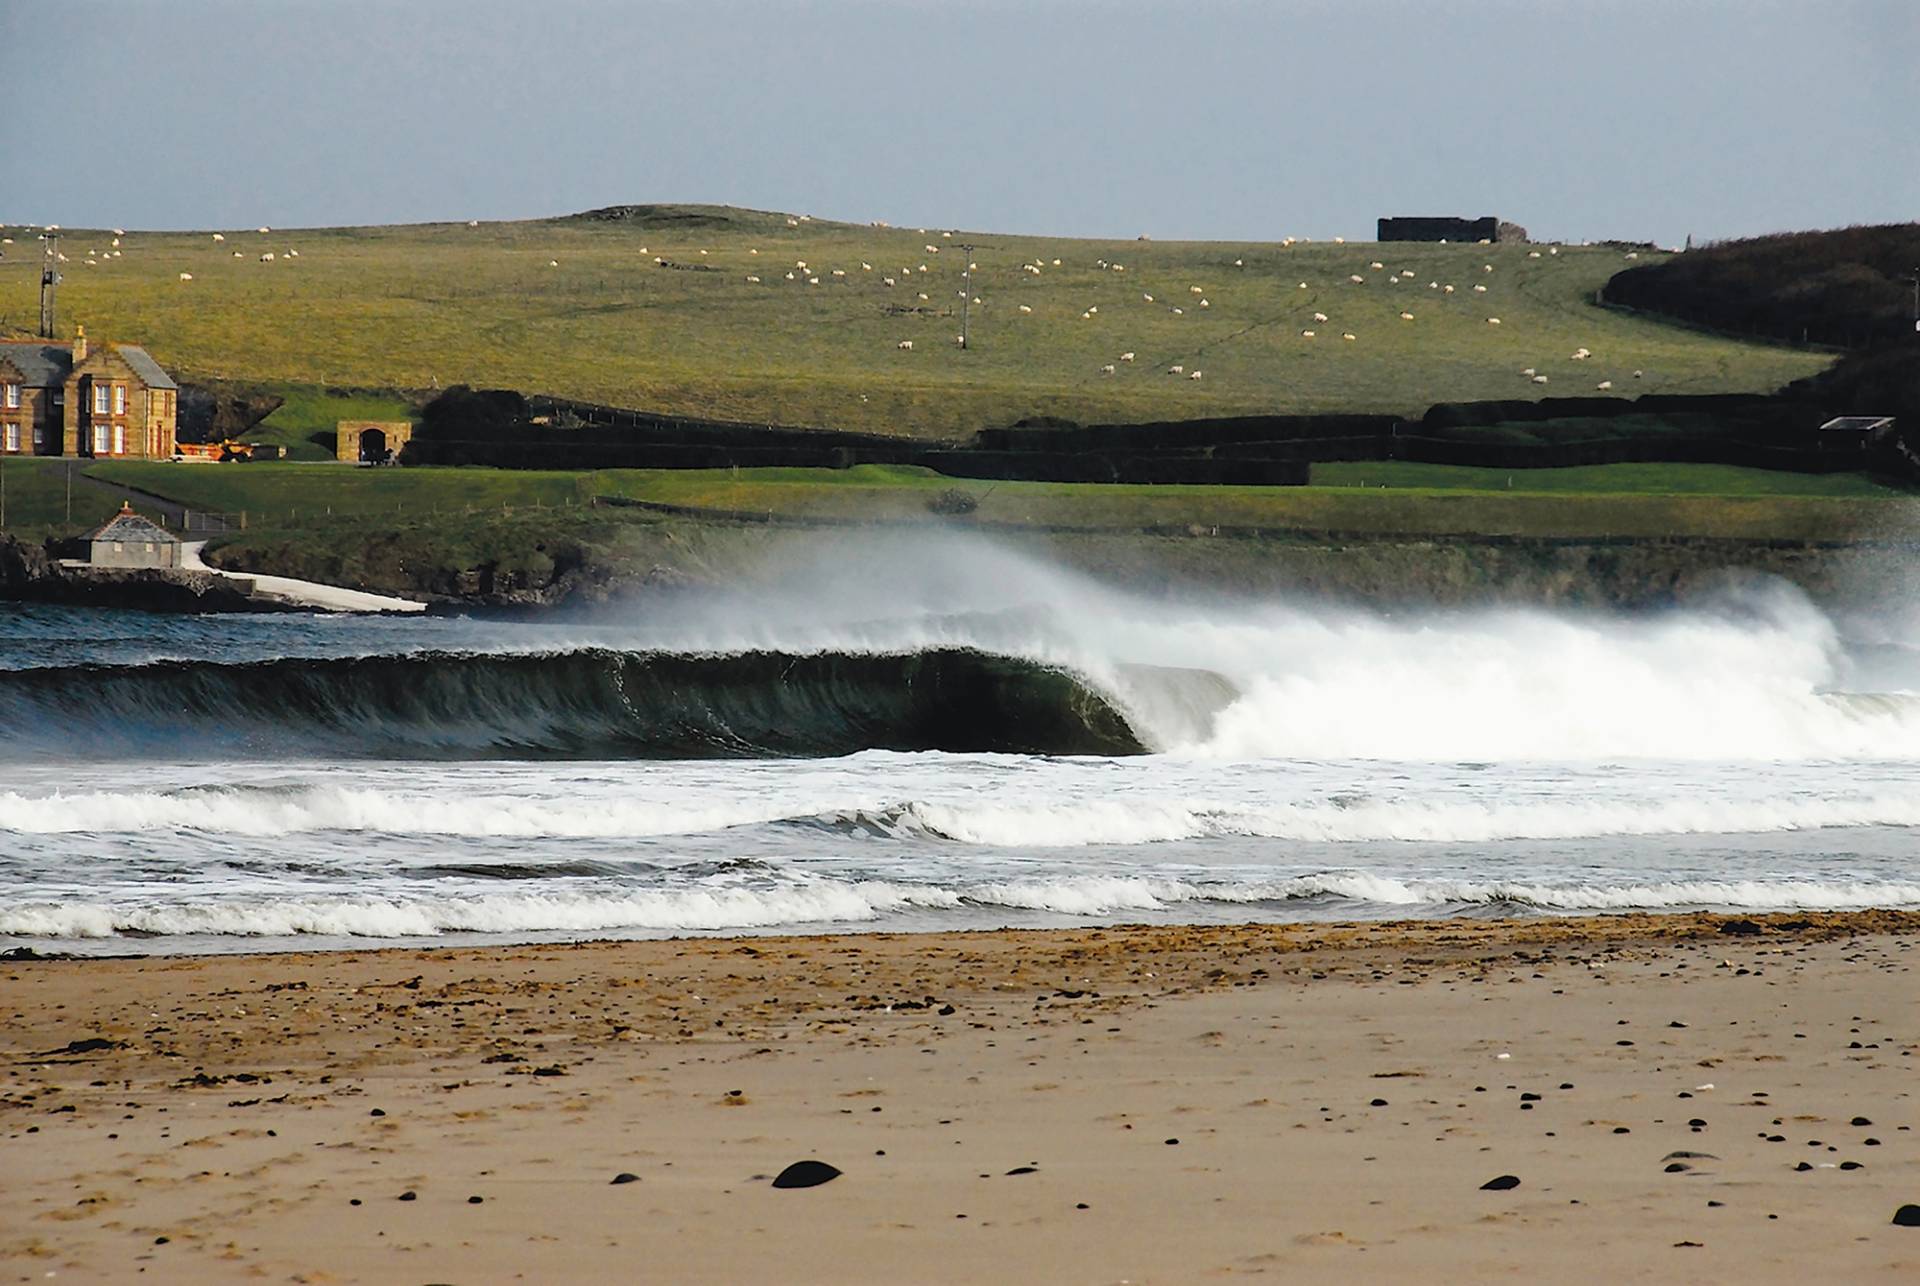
1209,118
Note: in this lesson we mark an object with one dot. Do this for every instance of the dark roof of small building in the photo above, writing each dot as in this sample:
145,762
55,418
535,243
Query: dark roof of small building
144,366
44,365
1857,423
41,364
128,525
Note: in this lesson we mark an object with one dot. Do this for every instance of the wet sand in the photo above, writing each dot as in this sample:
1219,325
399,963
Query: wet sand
1305,1103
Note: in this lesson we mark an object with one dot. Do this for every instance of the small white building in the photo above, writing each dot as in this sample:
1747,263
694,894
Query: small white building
129,540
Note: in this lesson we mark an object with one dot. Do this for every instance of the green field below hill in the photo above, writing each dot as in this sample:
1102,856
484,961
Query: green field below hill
578,307
1638,500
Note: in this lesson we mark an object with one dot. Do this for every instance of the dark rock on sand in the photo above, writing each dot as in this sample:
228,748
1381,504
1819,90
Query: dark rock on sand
409,1195
1500,1183
805,1174
1742,927
626,1176
1907,1216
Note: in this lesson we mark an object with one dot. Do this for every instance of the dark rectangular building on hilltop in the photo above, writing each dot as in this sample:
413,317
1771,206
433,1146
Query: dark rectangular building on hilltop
1440,229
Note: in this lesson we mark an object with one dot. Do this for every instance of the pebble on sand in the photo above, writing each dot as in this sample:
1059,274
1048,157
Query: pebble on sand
805,1174
1500,1183
625,1176
1907,1216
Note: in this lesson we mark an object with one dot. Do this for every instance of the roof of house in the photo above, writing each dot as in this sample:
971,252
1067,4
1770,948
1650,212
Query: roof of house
128,525
144,366
44,365
40,363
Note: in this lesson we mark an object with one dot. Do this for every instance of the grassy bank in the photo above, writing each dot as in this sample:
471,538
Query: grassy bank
1387,498
580,307
37,500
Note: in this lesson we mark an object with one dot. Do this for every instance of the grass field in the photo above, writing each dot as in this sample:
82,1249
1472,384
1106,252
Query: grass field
1397,498
35,499
579,307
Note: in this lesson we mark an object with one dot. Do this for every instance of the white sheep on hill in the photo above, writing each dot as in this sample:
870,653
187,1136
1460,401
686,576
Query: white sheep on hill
186,276
1604,386
1026,308
1348,335
1493,321
1195,375
1176,370
1126,357
905,346
1108,369
1319,317
1306,334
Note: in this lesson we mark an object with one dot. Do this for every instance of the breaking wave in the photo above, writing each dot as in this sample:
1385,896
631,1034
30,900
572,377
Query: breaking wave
587,703
728,908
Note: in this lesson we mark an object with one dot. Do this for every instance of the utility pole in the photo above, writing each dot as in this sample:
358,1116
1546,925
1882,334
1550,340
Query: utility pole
1916,298
49,278
966,296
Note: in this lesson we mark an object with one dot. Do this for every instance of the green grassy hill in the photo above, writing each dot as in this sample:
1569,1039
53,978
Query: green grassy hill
580,307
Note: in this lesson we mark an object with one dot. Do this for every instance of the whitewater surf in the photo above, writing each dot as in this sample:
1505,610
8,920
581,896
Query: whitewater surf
940,744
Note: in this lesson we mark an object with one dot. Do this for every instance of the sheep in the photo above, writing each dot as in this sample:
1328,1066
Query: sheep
793,223
1347,335
1355,278
265,231
1306,334
922,297
961,340
236,254
791,277
1303,285
1107,369
1533,254
905,346
865,266
553,263
752,251
1319,317
1479,290
186,276
1529,372
1087,316
1026,308
1205,304
931,249
1056,263
116,241
267,257
1581,354
839,272
1239,263
1194,375
1486,267
1093,308
219,236
1632,255
1126,357
1195,290
1604,386
1433,285
473,223
800,264
703,254
1406,316
887,282
947,234
1179,312
1493,321
293,254
119,232
1148,298
1446,290
1407,273
1637,374
1338,241
1376,265
1539,379
1176,370
753,281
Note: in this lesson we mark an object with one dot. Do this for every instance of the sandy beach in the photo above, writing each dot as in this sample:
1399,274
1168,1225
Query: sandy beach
1680,1098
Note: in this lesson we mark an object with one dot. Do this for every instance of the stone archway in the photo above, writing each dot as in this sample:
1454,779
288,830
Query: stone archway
373,446
370,441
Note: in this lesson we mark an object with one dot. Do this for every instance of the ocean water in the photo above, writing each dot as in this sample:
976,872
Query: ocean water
953,736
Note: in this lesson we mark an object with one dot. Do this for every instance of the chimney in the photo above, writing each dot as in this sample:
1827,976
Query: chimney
79,344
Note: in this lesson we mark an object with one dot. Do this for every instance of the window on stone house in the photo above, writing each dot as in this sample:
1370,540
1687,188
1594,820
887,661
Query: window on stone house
100,399
119,399
13,397
100,439
119,439
10,437
119,548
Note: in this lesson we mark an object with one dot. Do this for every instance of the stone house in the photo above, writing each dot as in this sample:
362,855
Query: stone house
112,401
129,540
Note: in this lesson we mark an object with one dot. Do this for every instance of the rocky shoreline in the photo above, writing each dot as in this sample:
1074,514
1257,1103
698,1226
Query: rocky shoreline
31,573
